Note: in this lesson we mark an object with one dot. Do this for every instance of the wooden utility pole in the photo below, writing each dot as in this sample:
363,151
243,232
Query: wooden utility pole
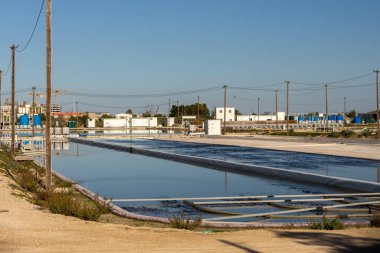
258,110
169,108
13,116
287,107
34,93
76,107
344,106
177,108
198,109
48,93
225,109
1,109
276,91
377,103
327,108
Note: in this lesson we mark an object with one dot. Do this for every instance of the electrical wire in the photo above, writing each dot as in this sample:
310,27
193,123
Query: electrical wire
9,65
34,29
334,82
121,107
79,94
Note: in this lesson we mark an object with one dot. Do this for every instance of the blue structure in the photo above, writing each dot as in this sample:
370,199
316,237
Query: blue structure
357,120
339,118
332,117
300,118
308,118
315,118
24,120
37,120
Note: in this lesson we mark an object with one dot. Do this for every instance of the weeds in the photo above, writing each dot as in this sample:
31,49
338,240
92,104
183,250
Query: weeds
346,133
333,135
326,224
182,223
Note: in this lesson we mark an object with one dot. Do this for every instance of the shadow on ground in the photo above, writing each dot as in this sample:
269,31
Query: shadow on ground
336,243
243,248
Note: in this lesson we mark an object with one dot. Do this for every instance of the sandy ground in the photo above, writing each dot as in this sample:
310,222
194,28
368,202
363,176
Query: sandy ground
359,149
26,228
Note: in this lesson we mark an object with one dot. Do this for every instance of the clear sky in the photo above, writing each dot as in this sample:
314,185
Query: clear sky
160,46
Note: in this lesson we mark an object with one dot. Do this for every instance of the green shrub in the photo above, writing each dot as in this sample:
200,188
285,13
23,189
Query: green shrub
182,223
347,133
326,224
63,203
28,181
366,133
333,135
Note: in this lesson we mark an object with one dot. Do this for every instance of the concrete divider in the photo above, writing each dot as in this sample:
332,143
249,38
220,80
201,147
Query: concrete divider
343,183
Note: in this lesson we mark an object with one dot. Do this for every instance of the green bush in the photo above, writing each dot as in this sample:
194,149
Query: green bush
182,223
28,181
366,133
63,203
326,224
347,133
333,135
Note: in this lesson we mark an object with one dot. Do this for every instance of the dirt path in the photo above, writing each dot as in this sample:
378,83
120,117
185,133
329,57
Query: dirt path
26,228
360,149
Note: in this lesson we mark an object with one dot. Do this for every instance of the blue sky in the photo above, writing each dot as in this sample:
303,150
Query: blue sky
159,46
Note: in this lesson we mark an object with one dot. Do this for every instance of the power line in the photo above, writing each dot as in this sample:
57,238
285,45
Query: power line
334,82
34,29
144,95
9,65
121,107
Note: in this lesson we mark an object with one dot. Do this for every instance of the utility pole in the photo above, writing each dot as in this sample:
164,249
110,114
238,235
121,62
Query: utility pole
287,107
377,103
76,107
198,109
258,110
276,91
169,108
344,106
327,108
177,108
34,93
48,93
225,109
13,116
1,110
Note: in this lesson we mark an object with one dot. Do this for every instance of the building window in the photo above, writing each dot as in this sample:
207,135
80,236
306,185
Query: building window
229,111
220,111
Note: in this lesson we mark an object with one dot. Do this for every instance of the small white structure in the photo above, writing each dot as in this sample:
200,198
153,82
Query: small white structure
123,116
144,122
169,121
213,127
230,113
90,123
115,122
281,116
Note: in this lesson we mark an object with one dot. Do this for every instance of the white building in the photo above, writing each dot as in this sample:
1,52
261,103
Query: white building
230,113
144,122
272,117
123,116
213,127
90,123
115,122
169,121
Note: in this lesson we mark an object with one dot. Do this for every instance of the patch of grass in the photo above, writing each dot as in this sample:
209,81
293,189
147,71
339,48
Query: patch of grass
334,135
327,224
346,133
182,223
366,133
66,204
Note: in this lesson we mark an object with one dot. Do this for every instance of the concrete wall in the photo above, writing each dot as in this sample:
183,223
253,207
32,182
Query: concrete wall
115,123
144,122
213,127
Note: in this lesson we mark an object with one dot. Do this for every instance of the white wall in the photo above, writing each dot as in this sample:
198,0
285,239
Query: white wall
230,113
281,116
115,123
90,123
144,122
213,127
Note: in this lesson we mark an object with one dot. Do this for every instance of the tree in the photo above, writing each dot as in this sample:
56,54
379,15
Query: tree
129,111
190,110
351,114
